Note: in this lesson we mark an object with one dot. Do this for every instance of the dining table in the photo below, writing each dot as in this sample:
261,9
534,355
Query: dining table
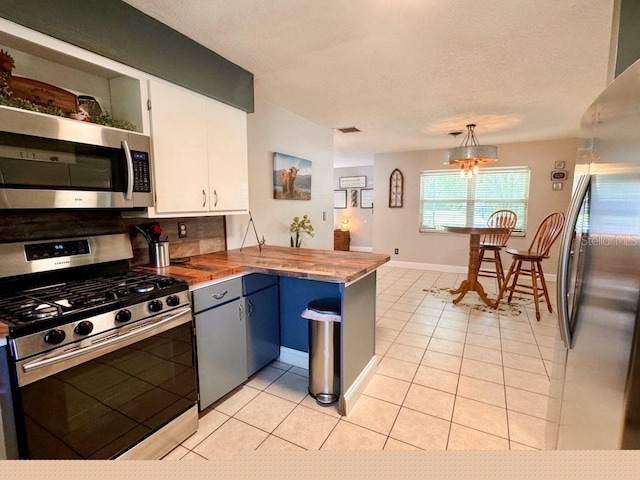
471,283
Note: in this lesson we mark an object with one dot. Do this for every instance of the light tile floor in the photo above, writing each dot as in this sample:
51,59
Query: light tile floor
449,377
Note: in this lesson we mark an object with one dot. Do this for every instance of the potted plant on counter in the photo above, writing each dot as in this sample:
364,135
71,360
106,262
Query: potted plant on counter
299,226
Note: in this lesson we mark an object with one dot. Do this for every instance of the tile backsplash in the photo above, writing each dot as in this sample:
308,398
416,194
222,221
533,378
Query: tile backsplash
204,234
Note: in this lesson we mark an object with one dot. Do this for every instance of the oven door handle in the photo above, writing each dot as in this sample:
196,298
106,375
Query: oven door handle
109,342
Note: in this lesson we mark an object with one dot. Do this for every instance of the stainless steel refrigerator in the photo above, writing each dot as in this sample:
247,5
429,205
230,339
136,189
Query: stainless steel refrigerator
595,386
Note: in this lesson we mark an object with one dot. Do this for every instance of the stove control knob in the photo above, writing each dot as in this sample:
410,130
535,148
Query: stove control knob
54,336
173,300
155,305
83,328
123,316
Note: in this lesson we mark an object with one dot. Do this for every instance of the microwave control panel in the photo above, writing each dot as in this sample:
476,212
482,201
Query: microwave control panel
141,172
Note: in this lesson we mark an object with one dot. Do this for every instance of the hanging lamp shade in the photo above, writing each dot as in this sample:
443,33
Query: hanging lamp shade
470,155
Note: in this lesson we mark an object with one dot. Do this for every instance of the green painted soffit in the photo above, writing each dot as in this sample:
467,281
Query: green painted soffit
116,30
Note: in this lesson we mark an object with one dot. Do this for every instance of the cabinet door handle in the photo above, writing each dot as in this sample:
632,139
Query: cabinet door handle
249,308
215,202
240,311
204,198
218,296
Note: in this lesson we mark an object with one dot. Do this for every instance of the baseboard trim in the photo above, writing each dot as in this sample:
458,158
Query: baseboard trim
549,277
351,396
361,249
427,266
297,358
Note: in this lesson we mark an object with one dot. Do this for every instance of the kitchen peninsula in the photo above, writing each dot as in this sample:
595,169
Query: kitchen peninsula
305,274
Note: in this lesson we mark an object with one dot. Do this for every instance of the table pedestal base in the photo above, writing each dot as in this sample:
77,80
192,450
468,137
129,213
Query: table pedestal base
465,287
471,283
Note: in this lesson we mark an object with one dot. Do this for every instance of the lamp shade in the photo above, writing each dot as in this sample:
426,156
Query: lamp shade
470,155
482,153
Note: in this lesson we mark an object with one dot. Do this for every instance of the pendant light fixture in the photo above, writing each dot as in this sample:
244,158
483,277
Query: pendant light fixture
470,155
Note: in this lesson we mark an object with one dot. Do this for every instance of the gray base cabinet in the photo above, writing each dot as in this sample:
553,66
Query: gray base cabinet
221,340
237,332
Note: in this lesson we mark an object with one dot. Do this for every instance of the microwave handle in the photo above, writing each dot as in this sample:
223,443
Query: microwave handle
127,155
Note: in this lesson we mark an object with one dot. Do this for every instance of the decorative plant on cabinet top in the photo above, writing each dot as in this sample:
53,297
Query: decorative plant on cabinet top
37,96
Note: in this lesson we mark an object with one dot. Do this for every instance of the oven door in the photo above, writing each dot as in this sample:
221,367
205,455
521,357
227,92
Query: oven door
99,401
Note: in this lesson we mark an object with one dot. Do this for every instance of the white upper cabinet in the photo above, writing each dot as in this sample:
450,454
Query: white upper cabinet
179,140
228,167
199,145
200,153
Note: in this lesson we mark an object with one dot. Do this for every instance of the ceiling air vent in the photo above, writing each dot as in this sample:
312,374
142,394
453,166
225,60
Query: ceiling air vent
349,130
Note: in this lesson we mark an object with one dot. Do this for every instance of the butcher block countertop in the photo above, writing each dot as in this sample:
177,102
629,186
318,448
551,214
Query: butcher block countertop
312,264
324,265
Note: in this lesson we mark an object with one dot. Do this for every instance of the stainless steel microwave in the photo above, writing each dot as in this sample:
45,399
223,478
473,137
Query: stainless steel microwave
50,162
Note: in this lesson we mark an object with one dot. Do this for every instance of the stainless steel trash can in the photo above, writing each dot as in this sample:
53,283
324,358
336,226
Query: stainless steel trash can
324,315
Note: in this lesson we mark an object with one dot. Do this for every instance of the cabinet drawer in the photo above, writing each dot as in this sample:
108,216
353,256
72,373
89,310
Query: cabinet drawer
216,294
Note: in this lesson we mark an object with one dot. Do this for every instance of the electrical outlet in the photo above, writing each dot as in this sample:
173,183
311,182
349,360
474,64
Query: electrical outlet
396,251
182,230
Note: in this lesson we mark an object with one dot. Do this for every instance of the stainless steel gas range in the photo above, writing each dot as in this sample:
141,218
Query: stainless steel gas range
99,361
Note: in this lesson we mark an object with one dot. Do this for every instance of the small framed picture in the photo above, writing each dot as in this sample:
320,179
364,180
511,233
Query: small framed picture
558,185
354,198
559,165
339,199
559,175
366,198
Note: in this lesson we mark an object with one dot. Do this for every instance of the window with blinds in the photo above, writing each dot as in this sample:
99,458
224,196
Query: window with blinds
448,199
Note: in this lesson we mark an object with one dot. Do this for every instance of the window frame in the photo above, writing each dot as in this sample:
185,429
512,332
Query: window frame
471,200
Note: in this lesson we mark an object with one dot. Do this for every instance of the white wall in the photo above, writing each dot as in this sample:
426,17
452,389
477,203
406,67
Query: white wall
398,227
360,219
272,129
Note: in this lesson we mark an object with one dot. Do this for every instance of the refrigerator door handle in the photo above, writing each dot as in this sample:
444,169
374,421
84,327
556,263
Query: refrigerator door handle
565,259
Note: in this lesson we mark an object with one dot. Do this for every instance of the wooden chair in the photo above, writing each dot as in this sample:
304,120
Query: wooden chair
494,243
547,233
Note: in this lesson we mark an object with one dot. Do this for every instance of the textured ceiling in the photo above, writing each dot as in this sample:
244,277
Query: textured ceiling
406,72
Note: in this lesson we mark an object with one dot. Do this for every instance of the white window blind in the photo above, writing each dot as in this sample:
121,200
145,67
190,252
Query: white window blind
448,199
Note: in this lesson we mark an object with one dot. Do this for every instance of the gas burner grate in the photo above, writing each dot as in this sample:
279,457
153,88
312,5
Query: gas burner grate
90,299
35,313
61,299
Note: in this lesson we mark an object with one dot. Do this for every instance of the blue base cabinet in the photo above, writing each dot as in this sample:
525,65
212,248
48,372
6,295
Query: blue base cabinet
295,295
263,320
